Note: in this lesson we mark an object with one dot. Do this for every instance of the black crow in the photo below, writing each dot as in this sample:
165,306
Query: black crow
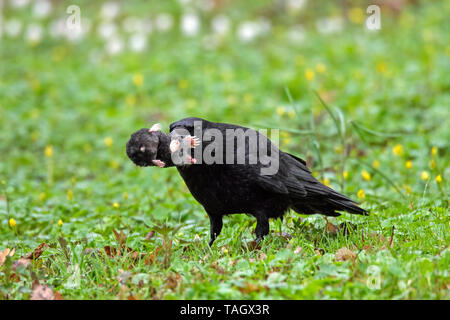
233,169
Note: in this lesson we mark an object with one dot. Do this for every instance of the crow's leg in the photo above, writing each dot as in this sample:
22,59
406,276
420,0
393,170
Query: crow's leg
262,227
216,226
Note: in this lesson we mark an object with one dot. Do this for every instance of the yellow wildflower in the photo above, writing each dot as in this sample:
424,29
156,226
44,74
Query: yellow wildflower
366,175
48,151
361,194
183,84
87,147
60,223
321,68
12,223
356,15
138,80
408,164
108,141
130,100
116,205
326,182
281,111
114,164
434,151
397,150
345,174
408,189
285,134
69,195
425,175
438,178
42,196
309,74
381,67
432,164
376,164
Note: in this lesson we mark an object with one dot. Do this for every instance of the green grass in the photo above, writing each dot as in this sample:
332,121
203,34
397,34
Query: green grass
385,98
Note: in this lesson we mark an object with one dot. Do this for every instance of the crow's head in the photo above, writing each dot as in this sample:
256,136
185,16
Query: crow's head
145,147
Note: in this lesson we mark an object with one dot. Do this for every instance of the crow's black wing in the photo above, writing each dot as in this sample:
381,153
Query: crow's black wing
188,124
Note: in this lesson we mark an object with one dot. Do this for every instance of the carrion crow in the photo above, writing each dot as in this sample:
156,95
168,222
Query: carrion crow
233,169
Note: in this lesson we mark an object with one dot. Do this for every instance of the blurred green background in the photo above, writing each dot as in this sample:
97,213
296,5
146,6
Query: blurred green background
70,99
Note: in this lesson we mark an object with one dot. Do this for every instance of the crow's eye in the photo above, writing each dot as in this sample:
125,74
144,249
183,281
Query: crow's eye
142,149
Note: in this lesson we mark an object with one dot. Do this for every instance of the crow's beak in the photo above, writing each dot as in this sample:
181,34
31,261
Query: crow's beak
159,163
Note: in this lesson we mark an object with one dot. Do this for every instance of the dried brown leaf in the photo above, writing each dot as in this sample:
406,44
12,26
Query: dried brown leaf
249,288
30,257
344,254
391,239
284,235
149,235
41,292
173,280
331,228
6,253
216,266
121,237
319,251
251,246
36,253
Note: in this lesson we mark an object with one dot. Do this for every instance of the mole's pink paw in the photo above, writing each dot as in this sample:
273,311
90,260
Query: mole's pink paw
159,163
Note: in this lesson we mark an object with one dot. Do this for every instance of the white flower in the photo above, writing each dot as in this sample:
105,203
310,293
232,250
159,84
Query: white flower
76,34
211,42
13,27
138,42
263,26
42,8
107,30
57,28
109,10
132,24
247,31
19,3
190,24
114,46
34,33
206,5
221,24
330,25
296,5
163,22
296,34
147,26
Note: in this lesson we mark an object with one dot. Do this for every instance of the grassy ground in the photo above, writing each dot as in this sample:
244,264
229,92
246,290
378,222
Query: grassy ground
112,230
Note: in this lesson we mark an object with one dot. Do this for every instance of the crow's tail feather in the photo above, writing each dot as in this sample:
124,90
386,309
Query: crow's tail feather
326,201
